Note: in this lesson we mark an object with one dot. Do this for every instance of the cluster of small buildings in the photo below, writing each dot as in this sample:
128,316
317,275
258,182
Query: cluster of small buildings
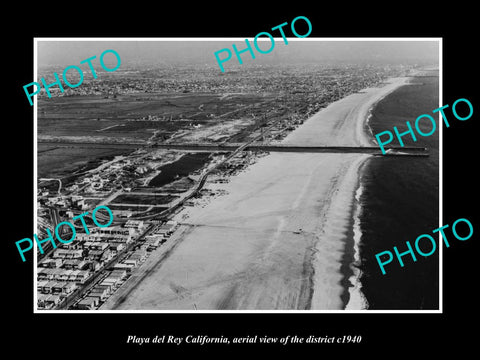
237,163
101,291
72,265
122,270
123,173
163,230
52,293
64,201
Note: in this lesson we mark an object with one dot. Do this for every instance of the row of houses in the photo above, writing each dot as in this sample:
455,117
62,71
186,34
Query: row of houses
91,251
52,293
159,234
134,260
48,301
105,288
56,287
71,265
101,291
165,229
88,258
152,242
76,276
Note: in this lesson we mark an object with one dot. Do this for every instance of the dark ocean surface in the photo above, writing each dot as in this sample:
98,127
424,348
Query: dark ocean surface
400,201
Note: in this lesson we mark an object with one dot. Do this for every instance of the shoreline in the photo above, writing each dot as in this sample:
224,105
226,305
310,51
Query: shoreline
384,181
350,112
355,299
353,295
278,238
366,123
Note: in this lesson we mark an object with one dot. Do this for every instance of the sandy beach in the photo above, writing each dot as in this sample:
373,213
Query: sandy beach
277,239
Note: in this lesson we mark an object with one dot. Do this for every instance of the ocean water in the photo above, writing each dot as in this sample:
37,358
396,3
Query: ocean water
398,201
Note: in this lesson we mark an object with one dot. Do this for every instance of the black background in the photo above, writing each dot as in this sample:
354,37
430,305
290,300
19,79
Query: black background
383,335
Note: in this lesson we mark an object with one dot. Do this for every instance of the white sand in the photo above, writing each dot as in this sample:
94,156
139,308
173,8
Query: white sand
245,250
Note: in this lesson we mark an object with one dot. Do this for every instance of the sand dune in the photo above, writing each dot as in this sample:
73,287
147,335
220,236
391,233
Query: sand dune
277,239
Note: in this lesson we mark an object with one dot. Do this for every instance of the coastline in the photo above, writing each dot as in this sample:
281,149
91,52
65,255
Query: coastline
277,239
353,111
354,297
388,216
367,130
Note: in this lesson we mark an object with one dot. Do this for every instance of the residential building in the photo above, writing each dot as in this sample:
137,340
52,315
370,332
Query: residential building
101,291
119,273
51,263
48,301
122,266
63,287
138,225
114,230
41,284
88,303
68,254
115,248
75,264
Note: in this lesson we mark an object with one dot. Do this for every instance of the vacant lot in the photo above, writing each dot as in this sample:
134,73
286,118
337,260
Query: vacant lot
153,199
130,207
133,118
60,161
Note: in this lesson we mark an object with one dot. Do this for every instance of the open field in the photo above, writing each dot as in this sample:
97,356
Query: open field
132,207
60,161
131,106
135,118
62,115
131,198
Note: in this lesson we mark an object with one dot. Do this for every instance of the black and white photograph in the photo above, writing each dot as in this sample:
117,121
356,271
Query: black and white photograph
297,179
261,187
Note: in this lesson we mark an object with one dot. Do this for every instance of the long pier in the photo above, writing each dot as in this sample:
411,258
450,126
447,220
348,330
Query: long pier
208,147
375,150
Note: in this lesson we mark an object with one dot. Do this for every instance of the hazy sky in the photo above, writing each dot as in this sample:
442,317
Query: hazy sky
71,52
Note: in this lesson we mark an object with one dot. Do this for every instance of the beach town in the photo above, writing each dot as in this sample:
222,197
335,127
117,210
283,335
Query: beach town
206,215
